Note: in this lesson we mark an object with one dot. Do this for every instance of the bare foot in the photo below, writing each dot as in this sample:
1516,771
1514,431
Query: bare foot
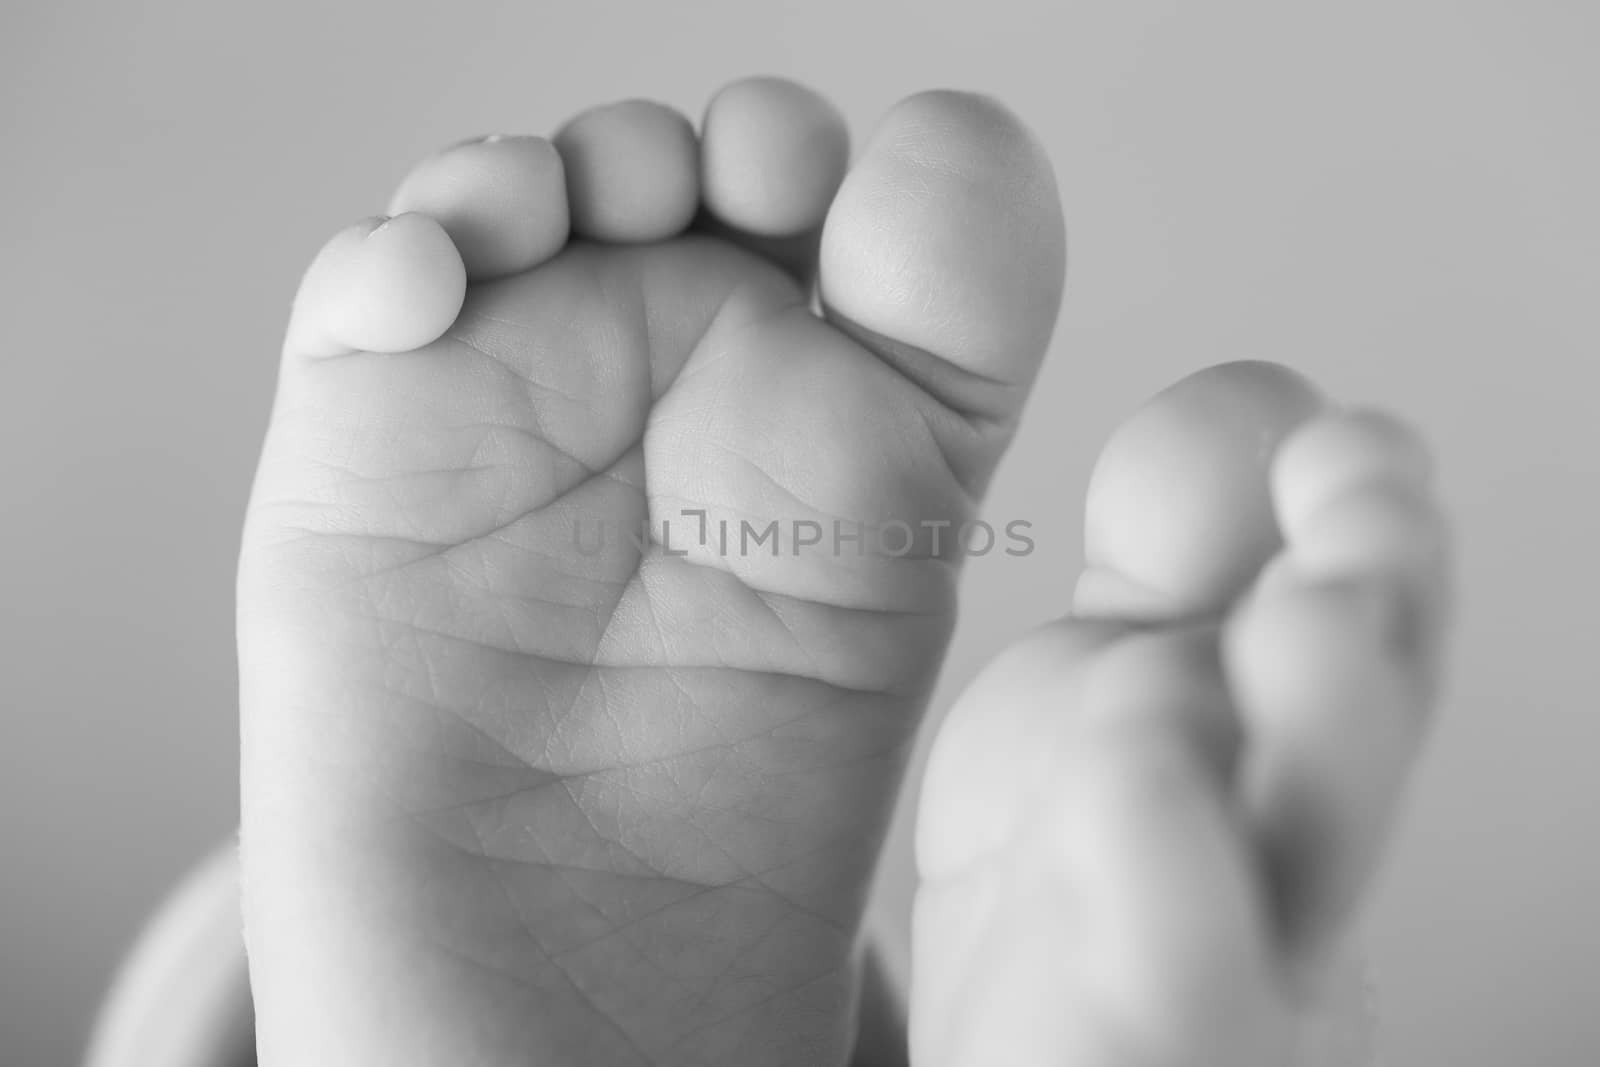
511,798
1145,829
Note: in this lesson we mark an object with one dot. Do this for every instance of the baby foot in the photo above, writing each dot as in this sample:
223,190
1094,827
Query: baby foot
521,784
1144,829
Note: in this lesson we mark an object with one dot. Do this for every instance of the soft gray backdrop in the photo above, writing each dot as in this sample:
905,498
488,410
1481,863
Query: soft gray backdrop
1397,198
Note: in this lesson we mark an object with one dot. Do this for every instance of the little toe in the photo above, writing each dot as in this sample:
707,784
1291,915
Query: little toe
944,250
1179,517
382,285
502,200
632,171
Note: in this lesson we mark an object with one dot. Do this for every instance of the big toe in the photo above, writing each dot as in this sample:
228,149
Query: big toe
1179,517
945,251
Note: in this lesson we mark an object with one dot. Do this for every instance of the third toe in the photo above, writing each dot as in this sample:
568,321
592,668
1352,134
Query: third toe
633,171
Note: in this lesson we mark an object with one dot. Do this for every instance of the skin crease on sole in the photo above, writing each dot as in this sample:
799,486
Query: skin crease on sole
1265,801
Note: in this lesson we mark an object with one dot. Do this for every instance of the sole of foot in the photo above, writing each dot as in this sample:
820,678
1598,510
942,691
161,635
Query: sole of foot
1146,829
510,795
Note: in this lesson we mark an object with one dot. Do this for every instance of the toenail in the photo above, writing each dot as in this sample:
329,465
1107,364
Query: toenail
467,142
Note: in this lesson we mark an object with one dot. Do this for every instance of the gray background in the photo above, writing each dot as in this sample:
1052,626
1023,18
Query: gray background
1397,198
